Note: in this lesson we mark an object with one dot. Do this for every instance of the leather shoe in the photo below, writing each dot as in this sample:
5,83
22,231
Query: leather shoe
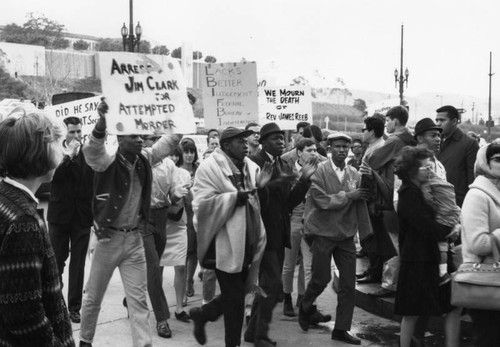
199,325
345,336
288,308
367,279
182,316
381,292
318,317
75,317
164,330
361,274
250,339
303,318
264,343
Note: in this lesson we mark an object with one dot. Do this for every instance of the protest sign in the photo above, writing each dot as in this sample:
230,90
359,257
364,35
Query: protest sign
285,106
146,94
85,109
229,94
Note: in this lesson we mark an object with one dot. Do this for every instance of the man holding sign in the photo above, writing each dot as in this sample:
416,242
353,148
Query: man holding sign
122,188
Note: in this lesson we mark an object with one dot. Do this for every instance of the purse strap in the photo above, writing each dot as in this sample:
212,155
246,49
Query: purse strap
495,248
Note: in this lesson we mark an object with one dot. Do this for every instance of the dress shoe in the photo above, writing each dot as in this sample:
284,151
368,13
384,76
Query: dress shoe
164,330
182,316
85,344
345,336
367,279
288,306
381,292
318,317
299,300
199,325
75,317
362,274
264,343
250,339
303,318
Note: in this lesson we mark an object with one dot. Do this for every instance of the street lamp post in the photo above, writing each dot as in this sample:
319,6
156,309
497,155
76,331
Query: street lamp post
490,120
398,75
129,39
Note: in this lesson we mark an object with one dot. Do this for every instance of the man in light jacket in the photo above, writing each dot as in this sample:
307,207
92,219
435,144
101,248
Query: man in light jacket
231,235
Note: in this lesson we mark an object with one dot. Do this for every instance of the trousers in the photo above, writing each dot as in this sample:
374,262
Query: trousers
344,254
124,251
75,238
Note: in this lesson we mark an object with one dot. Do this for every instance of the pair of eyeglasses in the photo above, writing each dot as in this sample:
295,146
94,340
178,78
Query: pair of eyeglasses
357,146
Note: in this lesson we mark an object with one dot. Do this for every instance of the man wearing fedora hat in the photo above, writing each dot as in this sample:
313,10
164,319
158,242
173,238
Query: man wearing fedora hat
231,235
277,199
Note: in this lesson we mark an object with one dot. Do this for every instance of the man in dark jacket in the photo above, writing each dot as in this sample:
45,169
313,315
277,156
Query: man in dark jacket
122,194
458,151
380,167
277,200
70,215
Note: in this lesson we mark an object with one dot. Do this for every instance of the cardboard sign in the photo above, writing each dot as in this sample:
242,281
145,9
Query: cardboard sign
229,94
85,109
146,94
285,106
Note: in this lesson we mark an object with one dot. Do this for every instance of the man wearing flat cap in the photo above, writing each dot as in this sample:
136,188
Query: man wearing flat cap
231,235
277,199
335,210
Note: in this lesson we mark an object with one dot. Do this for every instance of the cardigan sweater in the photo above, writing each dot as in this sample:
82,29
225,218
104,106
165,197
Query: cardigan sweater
329,212
32,308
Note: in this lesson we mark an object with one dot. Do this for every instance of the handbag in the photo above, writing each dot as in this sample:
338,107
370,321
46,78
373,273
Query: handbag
477,285
174,212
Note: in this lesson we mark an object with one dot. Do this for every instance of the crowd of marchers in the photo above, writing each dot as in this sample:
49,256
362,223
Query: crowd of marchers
247,213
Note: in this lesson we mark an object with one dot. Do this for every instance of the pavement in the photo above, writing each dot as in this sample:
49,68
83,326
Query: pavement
113,327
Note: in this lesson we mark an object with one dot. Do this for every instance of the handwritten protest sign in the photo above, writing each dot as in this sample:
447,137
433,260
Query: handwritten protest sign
286,106
85,109
146,94
229,94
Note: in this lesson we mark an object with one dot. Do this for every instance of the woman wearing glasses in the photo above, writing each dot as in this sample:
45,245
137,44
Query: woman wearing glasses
481,230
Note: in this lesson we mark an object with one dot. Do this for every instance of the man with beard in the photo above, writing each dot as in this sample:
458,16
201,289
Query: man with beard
277,199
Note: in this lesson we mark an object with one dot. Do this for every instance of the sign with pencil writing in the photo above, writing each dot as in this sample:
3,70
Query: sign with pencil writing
285,106
145,93
229,94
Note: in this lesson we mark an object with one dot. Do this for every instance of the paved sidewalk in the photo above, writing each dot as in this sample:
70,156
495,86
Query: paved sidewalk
113,328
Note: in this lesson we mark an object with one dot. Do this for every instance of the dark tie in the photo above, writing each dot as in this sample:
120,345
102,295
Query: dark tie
276,167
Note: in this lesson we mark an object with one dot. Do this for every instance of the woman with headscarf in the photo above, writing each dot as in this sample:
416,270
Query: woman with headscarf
481,232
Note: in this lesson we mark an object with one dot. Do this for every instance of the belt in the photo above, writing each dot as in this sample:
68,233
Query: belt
124,230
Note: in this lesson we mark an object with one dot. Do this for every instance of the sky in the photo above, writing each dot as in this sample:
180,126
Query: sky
446,43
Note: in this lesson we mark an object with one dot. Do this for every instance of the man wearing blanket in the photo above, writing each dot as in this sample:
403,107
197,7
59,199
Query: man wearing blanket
231,235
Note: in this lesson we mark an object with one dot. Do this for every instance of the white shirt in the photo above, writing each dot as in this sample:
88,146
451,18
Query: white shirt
338,171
